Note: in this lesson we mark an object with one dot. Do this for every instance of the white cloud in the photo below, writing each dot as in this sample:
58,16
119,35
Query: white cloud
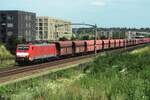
98,3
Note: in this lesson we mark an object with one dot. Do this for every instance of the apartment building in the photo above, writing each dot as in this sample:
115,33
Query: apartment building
17,24
48,28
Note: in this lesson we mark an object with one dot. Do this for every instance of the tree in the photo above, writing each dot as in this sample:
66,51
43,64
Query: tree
103,37
63,39
73,38
85,38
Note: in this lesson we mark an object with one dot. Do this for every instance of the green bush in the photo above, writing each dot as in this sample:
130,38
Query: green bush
6,58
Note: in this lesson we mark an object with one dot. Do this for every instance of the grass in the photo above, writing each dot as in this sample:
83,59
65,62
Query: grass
6,58
109,77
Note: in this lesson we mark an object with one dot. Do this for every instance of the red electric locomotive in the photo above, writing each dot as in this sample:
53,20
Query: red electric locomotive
32,52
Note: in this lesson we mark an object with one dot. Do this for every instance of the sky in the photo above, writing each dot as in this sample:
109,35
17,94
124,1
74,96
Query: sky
104,13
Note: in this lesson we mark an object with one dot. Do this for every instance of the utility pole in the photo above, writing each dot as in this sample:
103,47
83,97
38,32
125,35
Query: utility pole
125,41
95,38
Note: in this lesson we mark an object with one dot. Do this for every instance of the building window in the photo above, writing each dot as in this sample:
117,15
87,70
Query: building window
26,32
3,24
29,17
45,24
9,17
36,28
40,35
3,16
40,20
9,33
46,35
29,32
46,32
29,25
45,28
40,24
26,25
26,17
40,32
10,25
40,28
45,20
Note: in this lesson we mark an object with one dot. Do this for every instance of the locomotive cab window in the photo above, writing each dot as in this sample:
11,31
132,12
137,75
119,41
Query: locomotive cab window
23,48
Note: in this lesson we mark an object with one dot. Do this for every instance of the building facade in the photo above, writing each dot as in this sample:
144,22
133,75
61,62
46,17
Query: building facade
17,24
51,29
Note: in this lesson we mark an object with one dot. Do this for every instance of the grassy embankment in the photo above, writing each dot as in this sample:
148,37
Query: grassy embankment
6,58
109,77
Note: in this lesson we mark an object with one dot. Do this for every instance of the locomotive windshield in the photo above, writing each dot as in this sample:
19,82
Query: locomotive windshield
23,47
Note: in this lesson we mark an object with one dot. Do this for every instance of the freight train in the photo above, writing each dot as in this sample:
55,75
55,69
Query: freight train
61,49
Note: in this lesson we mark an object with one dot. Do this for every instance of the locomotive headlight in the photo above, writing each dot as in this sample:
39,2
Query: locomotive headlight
22,54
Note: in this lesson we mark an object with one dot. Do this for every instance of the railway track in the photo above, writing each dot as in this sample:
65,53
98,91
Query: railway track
18,70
